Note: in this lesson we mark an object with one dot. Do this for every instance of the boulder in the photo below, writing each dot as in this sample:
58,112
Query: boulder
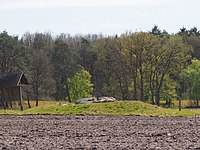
86,100
95,100
105,99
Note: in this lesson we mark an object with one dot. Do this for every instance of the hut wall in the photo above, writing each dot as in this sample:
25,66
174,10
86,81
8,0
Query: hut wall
4,94
10,94
15,93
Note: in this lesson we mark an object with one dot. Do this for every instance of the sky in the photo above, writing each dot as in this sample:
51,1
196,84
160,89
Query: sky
108,17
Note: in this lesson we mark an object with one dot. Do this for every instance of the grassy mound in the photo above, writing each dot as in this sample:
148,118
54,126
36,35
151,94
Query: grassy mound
111,108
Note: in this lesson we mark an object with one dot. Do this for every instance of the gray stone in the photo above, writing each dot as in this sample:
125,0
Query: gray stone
105,99
95,100
86,100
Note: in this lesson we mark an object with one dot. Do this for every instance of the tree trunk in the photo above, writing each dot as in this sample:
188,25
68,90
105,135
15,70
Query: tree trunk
152,91
157,97
97,86
133,70
122,91
21,99
36,104
134,89
126,89
36,93
3,104
10,104
135,84
6,103
36,101
29,105
152,85
179,105
157,94
141,86
10,97
67,92
152,97
3,99
141,76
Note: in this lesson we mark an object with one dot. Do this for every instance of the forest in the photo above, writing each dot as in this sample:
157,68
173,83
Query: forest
147,66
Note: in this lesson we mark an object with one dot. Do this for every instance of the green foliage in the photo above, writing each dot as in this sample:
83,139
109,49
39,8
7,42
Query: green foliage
80,85
169,89
137,65
111,88
65,65
11,52
191,79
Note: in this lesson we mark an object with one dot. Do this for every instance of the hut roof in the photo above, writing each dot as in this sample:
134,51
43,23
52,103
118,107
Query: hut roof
9,80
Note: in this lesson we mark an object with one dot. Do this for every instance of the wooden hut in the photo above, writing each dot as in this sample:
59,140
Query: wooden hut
11,88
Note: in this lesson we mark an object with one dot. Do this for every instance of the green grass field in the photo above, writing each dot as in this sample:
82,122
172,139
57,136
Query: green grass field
111,108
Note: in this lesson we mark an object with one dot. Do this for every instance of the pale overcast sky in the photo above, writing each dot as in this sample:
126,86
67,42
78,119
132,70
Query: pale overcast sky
97,16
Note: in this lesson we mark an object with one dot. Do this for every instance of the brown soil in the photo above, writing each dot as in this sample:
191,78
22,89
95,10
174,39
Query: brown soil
98,132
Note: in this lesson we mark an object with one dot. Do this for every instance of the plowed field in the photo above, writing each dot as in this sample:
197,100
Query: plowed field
98,132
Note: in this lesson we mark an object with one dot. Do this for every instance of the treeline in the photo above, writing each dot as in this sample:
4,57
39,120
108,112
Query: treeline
143,66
